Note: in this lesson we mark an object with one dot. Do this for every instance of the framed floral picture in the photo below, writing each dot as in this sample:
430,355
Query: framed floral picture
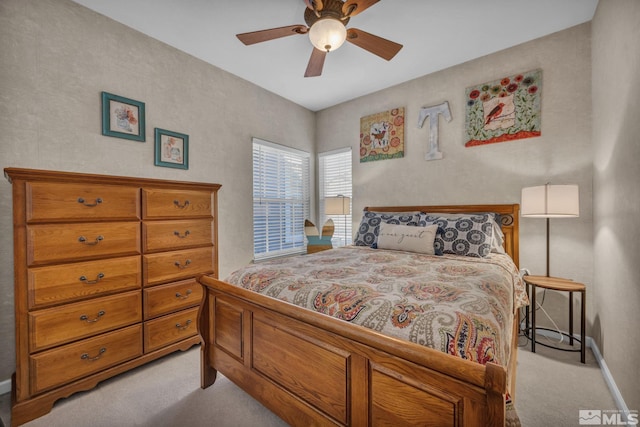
122,117
382,135
172,149
506,109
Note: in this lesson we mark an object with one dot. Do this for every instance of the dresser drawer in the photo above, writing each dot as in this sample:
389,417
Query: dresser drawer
73,242
169,266
163,299
169,329
67,323
74,361
71,282
163,235
159,203
48,201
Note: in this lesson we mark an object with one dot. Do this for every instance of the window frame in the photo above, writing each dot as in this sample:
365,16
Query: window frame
281,204
343,232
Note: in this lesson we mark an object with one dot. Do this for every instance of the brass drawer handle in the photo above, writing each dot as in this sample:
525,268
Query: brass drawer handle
182,236
180,296
85,318
85,356
90,205
99,277
181,206
83,239
186,325
180,266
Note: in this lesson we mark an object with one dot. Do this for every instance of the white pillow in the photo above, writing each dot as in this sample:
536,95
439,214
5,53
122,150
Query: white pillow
497,245
407,238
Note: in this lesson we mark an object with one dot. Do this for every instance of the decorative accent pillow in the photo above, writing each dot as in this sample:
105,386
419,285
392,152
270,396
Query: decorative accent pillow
407,238
466,234
367,234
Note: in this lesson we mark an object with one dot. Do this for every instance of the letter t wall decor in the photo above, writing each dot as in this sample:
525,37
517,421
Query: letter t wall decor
433,113
504,110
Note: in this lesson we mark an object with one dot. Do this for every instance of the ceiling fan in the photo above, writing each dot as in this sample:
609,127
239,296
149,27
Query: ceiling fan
326,25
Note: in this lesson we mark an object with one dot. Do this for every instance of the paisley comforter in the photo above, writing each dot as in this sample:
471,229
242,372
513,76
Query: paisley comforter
459,305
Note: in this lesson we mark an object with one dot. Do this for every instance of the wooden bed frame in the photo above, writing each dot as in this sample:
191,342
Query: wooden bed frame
312,369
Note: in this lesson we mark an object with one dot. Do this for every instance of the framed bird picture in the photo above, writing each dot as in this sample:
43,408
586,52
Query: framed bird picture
503,110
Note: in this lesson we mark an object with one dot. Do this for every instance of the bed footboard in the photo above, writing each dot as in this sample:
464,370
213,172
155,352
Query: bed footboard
311,369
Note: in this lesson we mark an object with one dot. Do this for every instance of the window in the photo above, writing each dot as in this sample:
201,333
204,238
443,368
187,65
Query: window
335,179
281,199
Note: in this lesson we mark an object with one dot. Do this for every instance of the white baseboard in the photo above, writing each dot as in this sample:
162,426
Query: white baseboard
608,378
5,386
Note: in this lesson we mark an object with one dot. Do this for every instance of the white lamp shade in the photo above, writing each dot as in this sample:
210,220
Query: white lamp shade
550,201
339,205
327,34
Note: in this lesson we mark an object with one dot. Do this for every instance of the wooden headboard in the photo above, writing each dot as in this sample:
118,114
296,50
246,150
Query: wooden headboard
509,216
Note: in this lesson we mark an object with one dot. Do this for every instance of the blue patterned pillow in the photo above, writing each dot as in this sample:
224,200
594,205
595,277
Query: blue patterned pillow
467,234
367,234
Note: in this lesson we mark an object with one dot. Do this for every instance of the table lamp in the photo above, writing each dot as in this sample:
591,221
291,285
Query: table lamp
550,201
338,205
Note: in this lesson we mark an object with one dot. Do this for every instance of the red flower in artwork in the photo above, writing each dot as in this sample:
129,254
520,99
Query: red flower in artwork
512,87
131,117
518,78
474,94
505,81
533,89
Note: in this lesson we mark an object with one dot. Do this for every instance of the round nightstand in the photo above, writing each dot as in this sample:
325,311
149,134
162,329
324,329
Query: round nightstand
562,285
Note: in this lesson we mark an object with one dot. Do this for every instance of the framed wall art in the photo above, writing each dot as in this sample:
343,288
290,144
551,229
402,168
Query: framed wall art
382,136
122,117
504,110
171,149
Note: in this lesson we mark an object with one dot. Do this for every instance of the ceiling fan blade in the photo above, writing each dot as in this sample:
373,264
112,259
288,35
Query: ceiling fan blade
353,7
316,62
273,33
384,48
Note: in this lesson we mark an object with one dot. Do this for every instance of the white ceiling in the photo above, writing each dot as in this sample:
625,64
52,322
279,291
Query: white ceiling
436,34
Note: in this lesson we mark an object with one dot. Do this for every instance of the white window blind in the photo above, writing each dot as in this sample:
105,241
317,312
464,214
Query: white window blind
334,173
281,199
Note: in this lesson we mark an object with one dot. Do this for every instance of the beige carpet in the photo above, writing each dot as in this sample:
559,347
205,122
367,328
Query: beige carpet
552,387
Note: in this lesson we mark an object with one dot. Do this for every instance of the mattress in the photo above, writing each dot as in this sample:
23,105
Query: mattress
459,305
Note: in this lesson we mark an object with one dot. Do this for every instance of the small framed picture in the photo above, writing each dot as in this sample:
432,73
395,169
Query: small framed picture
122,117
172,149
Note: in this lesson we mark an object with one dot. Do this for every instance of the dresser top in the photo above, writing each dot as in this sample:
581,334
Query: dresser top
13,174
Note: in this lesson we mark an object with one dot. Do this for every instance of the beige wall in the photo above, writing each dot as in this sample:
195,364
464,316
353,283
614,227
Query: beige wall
57,57
493,173
616,141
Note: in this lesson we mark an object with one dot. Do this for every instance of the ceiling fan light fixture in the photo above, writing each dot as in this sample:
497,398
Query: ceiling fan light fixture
327,34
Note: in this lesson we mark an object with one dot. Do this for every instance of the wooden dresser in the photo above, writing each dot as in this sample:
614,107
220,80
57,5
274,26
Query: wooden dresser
106,274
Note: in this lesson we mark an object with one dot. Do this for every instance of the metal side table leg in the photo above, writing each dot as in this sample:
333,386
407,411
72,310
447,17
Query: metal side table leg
533,318
570,318
582,327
